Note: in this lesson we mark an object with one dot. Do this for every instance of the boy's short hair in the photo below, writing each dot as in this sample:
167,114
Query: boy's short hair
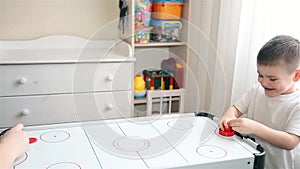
280,48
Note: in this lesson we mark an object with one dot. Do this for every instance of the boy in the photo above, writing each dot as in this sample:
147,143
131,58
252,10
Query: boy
13,144
272,106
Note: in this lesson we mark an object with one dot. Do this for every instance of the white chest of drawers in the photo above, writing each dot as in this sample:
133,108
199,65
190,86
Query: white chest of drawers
64,79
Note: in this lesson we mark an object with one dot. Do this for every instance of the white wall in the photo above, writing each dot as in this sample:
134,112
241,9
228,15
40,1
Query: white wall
29,19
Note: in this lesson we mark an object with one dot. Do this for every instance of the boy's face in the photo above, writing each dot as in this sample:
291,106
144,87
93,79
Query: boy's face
276,80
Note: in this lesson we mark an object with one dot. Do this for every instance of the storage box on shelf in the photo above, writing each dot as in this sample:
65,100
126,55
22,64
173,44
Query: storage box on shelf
167,9
165,30
165,21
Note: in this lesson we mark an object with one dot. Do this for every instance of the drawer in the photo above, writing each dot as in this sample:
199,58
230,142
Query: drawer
64,78
48,109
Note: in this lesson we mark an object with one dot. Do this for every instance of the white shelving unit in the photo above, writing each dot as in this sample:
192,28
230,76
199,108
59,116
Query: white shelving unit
151,54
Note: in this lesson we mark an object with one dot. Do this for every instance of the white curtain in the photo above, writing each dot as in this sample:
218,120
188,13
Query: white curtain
212,39
260,20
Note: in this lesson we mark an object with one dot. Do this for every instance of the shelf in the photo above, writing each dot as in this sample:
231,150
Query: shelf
144,100
158,44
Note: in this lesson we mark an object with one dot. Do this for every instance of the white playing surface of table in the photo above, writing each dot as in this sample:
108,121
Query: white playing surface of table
171,141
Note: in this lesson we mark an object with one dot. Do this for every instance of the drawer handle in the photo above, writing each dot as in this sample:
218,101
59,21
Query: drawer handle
109,106
25,112
23,81
110,77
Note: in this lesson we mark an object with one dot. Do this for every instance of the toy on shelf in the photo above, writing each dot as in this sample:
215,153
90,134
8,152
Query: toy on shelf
139,87
176,68
142,34
142,10
159,79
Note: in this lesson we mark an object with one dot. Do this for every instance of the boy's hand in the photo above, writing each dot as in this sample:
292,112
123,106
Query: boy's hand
224,121
230,114
243,125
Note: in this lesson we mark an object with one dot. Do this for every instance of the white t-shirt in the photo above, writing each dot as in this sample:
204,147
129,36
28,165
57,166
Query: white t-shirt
280,113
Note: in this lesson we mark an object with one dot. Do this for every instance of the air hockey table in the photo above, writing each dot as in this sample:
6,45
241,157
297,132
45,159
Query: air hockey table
189,140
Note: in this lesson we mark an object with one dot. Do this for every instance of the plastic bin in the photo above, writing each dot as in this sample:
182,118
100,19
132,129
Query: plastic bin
159,79
142,34
166,9
165,30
